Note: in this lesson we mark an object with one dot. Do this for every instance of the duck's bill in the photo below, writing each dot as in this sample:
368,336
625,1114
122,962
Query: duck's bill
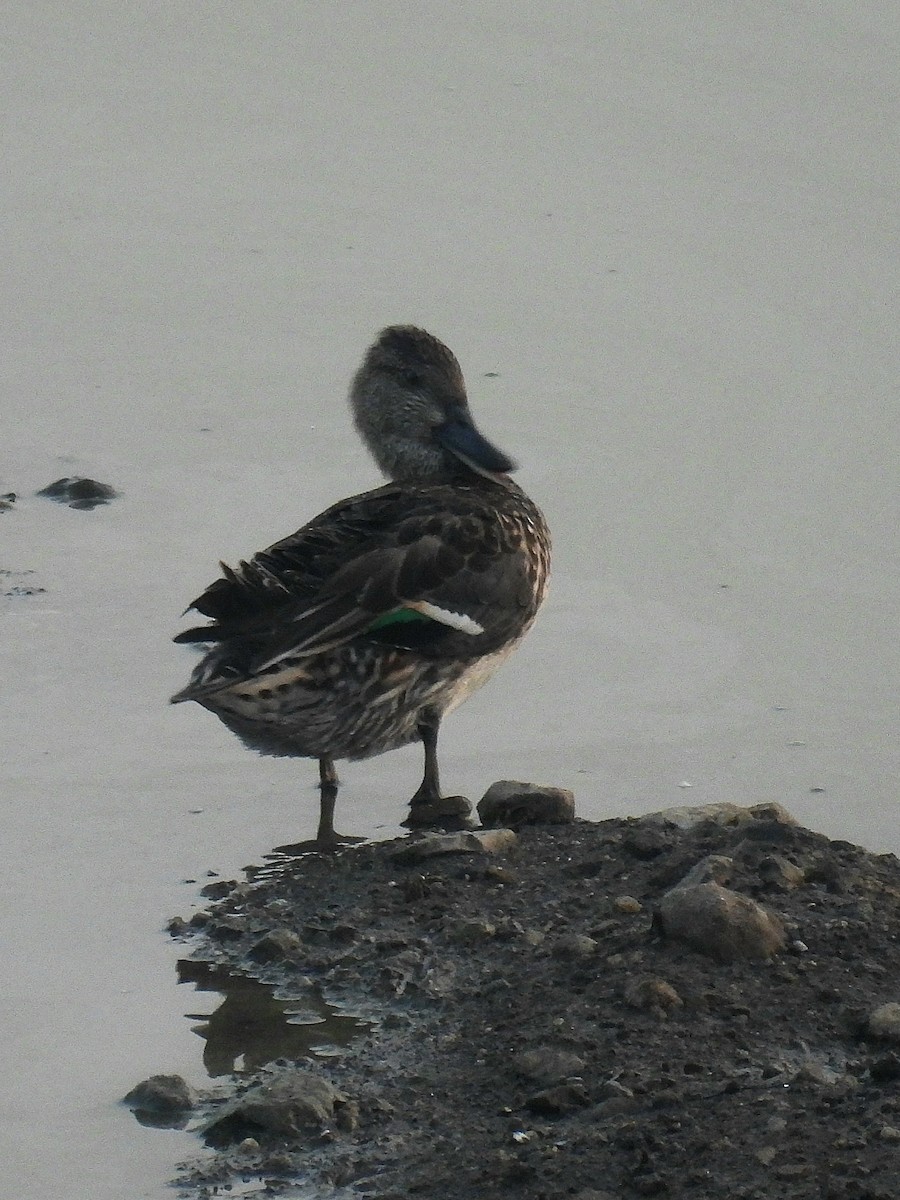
464,441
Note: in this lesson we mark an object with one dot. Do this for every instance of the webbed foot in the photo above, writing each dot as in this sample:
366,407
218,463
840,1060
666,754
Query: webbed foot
325,844
449,813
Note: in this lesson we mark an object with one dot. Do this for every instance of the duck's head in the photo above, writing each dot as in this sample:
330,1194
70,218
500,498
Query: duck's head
410,407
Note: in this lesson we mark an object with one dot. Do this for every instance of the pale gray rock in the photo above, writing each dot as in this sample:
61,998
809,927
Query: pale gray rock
686,816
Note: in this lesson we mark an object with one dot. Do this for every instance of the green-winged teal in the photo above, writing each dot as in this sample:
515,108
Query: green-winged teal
360,631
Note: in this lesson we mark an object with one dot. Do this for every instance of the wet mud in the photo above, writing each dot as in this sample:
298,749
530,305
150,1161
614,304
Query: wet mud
700,1003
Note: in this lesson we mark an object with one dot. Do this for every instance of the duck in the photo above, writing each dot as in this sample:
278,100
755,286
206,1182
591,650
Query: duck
362,631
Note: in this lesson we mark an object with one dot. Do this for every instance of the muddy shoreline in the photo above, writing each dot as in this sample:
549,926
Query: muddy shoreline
542,1025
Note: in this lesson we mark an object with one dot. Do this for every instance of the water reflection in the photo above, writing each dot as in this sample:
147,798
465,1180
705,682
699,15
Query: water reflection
251,1027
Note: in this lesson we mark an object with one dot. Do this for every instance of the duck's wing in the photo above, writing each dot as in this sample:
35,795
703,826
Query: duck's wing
439,573
291,573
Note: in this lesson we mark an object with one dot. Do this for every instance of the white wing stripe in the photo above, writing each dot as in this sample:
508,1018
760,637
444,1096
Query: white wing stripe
454,620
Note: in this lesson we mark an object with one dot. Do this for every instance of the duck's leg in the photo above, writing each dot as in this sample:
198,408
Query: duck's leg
326,838
328,790
428,808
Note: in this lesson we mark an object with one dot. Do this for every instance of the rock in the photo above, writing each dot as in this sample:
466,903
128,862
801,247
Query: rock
646,842
509,802
78,492
275,946
162,1100
687,816
791,1171
500,875
219,889
885,1069
479,841
653,995
346,1115
471,931
612,1089
715,868
815,1075
889,1133
573,945
780,873
627,904
7,500
559,1100
296,1105
533,937
720,923
884,1022
545,1064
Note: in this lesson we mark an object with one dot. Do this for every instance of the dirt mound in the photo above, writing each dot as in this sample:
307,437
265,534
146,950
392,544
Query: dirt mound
544,1028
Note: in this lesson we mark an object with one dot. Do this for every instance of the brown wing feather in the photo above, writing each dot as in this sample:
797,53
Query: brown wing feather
360,560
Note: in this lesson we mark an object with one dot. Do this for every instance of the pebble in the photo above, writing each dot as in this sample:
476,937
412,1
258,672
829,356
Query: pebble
546,1064
573,945
627,904
884,1022
889,1133
495,873
509,802
275,946
652,995
814,1074
715,868
471,931
780,873
559,1100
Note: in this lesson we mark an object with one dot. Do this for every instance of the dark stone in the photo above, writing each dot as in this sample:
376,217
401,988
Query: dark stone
885,1069
79,492
162,1101
645,842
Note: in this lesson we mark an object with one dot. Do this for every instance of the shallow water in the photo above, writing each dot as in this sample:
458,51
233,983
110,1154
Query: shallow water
660,245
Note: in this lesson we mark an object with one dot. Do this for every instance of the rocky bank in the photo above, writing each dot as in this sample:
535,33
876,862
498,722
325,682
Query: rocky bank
698,1003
